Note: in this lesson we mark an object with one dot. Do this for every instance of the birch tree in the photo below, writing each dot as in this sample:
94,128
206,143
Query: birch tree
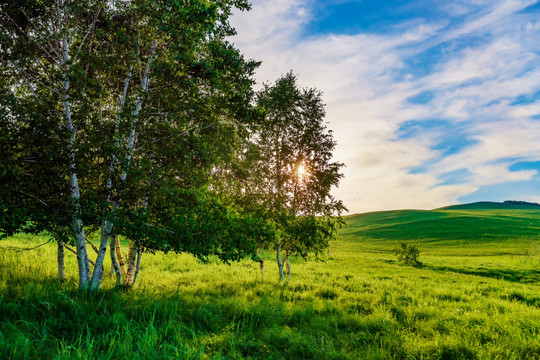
130,102
295,172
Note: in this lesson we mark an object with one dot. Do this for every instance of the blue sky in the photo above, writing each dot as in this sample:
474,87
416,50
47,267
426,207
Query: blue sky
431,102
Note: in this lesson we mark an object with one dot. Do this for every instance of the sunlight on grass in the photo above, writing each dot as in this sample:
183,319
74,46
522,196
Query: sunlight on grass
359,304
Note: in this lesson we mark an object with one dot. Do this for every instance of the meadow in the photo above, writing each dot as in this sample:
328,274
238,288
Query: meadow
476,297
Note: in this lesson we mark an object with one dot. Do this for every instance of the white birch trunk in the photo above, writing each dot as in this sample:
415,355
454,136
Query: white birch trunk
77,224
138,106
114,262
137,266
288,265
279,262
133,250
60,261
108,223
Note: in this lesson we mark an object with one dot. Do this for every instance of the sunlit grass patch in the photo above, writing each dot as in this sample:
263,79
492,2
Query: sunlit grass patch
356,305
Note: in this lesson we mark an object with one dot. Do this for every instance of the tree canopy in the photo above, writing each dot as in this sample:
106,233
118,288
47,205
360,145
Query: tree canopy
288,172
117,117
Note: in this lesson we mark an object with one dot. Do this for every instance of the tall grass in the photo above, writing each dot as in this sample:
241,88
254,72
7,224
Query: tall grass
356,305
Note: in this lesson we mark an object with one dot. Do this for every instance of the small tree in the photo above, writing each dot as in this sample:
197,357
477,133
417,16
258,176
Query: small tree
408,254
292,172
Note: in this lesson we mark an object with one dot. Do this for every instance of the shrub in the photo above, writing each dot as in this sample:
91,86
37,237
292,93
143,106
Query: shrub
408,254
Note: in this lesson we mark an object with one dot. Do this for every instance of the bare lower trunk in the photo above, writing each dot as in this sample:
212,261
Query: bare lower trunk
114,262
97,276
82,254
261,262
288,265
120,257
132,255
107,224
279,263
60,258
88,262
137,266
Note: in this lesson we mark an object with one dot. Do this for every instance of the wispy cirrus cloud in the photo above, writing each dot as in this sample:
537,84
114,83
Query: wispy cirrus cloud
417,99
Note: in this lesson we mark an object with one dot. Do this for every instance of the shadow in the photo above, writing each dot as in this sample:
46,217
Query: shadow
517,276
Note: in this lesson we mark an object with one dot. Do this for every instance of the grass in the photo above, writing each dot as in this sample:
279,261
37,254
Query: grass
475,298
449,232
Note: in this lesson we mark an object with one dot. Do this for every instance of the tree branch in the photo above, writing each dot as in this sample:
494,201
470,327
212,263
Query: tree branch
38,199
92,245
18,249
89,29
74,252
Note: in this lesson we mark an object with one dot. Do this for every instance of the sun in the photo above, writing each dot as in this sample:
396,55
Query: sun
301,170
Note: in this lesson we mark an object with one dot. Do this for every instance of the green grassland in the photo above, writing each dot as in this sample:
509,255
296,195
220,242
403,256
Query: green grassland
476,297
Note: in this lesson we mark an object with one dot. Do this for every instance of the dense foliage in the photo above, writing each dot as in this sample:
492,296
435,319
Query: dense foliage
291,172
408,254
117,117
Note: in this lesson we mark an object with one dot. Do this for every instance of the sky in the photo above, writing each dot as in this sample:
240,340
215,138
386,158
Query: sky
431,102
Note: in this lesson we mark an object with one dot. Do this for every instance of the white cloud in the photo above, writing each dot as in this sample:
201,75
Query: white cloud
499,10
534,199
525,111
366,89
494,174
508,139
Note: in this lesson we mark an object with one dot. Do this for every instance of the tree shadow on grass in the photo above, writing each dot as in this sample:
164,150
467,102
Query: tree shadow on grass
187,324
517,276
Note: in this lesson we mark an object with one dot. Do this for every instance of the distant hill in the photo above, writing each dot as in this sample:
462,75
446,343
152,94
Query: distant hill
477,224
490,205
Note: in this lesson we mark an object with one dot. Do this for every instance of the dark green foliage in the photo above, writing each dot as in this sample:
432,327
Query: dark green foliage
293,136
490,205
197,222
408,254
521,203
144,165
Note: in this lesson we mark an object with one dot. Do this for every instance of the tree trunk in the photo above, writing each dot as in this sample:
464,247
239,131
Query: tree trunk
288,265
261,262
60,259
137,266
114,262
107,225
120,257
77,224
88,262
279,263
97,275
133,250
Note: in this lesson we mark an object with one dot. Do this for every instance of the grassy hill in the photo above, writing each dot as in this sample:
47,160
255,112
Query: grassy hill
486,227
490,205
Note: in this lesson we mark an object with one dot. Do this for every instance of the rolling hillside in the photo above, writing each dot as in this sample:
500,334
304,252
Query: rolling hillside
490,205
469,225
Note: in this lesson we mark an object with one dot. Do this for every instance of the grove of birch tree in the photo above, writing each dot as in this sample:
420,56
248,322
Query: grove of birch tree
113,115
